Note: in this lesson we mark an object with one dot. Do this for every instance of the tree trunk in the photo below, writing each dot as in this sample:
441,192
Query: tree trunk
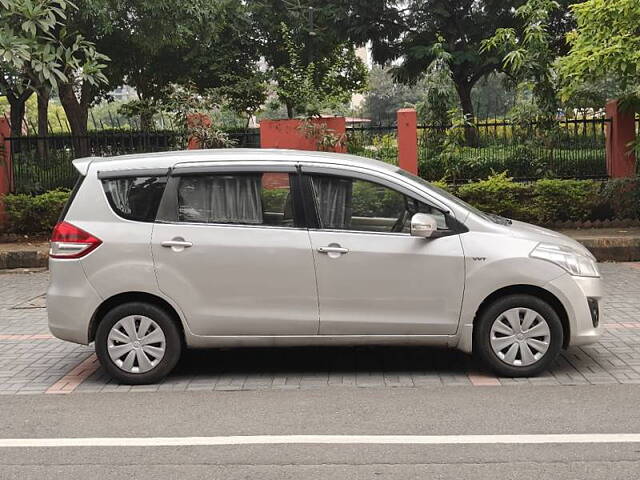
16,114
146,120
17,94
464,93
16,117
77,112
289,110
43,121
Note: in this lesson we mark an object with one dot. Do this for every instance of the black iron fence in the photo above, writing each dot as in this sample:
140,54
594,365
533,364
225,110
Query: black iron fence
380,142
44,163
572,148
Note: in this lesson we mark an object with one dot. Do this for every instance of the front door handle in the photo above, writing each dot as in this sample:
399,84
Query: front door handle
332,249
176,243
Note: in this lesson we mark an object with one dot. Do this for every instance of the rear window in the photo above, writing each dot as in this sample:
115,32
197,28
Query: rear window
135,198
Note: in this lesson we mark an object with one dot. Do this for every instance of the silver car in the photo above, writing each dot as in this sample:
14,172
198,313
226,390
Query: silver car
240,248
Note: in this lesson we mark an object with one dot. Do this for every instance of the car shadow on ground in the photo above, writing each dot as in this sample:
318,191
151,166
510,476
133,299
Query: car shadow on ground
351,363
295,367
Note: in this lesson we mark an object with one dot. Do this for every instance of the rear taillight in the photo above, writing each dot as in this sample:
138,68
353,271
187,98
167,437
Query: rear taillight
69,241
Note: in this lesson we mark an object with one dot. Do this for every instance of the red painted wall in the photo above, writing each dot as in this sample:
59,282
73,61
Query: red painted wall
408,140
621,131
6,176
196,120
273,180
287,134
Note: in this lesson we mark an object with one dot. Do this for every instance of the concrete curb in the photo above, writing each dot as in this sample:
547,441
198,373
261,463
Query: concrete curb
613,249
23,259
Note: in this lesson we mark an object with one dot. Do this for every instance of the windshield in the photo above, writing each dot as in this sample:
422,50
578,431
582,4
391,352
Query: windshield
446,195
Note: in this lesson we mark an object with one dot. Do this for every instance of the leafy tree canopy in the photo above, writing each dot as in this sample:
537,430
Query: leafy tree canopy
39,50
605,49
406,32
529,54
385,96
327,82
308,52
156,43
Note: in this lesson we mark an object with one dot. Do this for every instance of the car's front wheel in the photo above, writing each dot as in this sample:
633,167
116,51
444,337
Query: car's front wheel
138,343
518,335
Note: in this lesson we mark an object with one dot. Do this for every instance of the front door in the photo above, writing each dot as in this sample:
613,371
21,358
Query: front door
229,251
373,277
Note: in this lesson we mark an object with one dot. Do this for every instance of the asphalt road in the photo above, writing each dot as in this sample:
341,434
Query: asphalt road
328,411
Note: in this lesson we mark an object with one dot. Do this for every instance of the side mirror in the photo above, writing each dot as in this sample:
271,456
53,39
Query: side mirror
423,225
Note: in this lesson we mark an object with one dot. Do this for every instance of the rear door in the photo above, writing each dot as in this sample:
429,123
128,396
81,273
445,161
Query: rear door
231,249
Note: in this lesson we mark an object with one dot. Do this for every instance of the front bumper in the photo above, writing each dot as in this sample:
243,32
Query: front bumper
574,293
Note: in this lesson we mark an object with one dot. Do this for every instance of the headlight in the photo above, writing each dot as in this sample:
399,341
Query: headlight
576,263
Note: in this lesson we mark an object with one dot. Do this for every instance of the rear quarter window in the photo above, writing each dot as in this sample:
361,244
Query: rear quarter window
135,198
72,197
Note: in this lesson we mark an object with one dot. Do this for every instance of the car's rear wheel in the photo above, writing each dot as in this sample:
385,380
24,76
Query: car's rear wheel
138,343
518,335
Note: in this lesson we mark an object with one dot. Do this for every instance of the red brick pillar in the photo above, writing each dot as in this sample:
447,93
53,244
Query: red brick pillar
408,140
620,131
6,168
197,120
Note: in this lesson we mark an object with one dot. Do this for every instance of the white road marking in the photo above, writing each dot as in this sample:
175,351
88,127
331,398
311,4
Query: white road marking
320,439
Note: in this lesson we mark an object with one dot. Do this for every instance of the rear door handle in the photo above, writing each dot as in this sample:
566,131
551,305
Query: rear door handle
176,243
330,249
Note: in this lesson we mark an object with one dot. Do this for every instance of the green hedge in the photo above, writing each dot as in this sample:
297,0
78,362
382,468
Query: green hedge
499,194
551,200
34,215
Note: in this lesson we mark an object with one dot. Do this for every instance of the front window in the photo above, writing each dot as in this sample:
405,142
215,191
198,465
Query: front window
443,193
237,198
352,204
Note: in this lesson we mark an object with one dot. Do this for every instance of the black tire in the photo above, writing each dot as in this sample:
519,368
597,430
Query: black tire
482,333
173,343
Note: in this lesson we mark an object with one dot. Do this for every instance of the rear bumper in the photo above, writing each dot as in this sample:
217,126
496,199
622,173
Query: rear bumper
573,293
71,301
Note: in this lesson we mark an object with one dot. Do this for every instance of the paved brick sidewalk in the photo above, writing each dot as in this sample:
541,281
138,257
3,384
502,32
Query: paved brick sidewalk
31,361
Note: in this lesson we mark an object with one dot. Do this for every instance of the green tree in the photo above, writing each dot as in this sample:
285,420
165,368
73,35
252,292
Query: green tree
313,48
245,96
308,88
15,88
192,110
156,43
39,48
15,52
384,96
438,90
406,31
529,55
493,96
605,49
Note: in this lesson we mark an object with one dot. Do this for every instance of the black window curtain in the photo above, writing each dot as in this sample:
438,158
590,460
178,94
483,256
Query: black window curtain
334,195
